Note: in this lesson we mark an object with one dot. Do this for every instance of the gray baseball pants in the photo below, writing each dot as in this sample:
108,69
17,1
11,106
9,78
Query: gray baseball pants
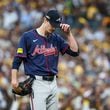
45,95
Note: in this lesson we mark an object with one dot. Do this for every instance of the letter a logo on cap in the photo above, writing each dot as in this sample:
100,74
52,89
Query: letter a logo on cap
59,19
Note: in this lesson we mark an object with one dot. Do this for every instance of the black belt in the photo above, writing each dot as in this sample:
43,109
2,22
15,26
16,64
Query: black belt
48,78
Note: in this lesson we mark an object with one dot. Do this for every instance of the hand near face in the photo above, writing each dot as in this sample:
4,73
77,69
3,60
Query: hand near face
65,28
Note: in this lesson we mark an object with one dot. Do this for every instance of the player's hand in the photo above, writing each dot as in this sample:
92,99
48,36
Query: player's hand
24,87
65,28
14,83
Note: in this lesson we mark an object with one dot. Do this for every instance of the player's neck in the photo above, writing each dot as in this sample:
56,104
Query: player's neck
41,31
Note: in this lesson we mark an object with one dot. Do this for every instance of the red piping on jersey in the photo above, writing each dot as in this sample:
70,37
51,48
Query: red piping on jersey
63,51
32,103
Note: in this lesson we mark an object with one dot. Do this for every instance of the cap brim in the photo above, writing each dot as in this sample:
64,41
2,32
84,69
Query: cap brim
56,25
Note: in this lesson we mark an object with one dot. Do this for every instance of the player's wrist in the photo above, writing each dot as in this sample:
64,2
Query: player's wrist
69,34
14,83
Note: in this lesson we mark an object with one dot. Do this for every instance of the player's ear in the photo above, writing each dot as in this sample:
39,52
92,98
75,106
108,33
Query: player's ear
45,20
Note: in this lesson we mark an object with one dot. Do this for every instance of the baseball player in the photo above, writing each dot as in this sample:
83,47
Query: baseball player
39,50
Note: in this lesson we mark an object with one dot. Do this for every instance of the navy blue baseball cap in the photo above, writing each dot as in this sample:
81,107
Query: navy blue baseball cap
54,18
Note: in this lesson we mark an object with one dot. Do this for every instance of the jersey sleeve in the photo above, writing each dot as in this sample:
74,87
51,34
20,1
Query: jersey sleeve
63,45
22,47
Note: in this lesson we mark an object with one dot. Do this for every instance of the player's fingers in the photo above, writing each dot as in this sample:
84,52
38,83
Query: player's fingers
62,26
18,89
65,27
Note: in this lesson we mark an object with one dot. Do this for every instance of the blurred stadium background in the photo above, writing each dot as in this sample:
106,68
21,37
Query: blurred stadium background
84,82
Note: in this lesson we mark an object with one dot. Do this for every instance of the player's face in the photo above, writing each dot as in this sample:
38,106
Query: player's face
49,27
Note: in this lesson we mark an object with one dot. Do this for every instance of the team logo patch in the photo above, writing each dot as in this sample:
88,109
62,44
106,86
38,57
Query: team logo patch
46,51
20,50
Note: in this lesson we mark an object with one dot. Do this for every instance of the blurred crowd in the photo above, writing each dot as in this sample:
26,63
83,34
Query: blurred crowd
84,81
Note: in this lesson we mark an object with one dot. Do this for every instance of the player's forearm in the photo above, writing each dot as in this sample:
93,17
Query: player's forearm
14,77
14,73
72,42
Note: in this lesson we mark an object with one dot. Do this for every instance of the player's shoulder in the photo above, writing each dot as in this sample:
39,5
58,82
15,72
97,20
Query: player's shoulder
27,34
56,35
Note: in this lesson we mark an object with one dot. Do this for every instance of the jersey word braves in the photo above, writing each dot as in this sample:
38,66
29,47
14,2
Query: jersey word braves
40,53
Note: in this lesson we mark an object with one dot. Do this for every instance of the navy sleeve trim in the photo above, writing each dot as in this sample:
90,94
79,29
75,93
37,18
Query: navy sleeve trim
16,62
22,56
71,53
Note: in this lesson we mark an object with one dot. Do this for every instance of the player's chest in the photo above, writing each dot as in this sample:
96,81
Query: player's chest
43,46
41,42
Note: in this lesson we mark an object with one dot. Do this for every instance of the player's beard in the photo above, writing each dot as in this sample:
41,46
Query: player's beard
48,32
51,31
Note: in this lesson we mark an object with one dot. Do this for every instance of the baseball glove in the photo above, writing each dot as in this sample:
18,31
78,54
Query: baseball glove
24,88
